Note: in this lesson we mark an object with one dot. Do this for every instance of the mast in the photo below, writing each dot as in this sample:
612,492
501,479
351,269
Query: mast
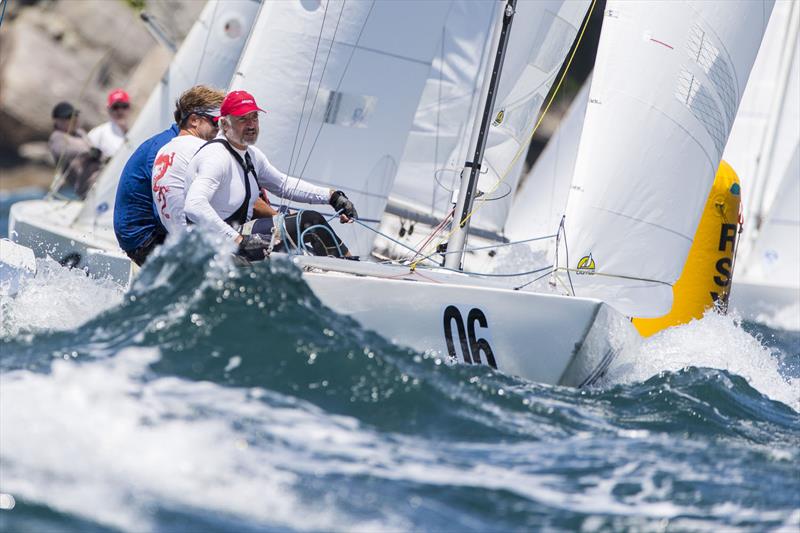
466,195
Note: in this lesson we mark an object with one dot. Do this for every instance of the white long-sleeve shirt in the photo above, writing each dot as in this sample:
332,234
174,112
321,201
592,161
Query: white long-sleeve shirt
169,179
108,137
215,186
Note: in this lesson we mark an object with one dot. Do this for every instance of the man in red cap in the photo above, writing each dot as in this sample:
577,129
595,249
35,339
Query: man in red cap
109,136
223,180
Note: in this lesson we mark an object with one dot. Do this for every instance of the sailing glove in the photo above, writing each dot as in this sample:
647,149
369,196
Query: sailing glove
343,205
254,246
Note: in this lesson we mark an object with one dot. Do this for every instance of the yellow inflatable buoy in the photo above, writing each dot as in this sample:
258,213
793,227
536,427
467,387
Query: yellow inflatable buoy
706,277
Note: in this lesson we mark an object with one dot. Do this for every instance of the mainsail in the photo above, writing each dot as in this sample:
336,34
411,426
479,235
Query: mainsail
340,82
541,200
667,83
207,55
542,34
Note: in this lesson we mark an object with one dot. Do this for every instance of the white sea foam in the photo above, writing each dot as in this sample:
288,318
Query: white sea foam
57,298
715,341
97,440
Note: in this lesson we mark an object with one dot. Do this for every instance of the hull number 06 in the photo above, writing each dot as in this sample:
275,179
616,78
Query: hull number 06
471,346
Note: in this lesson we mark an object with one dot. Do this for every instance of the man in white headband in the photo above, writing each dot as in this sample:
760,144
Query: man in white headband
196,112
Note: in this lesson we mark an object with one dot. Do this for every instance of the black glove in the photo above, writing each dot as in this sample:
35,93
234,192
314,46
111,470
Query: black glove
343,205
253,247
95,154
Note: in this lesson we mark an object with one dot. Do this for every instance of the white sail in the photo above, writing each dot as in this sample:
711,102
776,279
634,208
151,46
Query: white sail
340,82
432,161
541,36
775,259
766,129
667,83
542,198
207,55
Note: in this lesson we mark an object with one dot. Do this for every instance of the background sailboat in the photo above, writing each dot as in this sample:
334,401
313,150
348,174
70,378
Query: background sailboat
763,151
81,234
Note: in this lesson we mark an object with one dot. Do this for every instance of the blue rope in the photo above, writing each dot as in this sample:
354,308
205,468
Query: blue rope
301,235
3,14
329,230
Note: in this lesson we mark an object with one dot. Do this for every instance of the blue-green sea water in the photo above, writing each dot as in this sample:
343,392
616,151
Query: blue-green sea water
211,398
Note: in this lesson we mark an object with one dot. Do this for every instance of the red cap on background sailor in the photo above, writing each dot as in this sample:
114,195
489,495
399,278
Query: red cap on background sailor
109,136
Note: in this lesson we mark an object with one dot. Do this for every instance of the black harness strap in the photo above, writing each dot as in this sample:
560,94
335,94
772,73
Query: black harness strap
239,217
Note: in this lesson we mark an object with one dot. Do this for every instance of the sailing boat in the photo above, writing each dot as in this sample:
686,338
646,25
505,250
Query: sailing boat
81,234
475,319
763,149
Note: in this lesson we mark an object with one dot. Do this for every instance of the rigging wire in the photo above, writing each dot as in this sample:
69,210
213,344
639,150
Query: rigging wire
438,114
483,274
305,97
524,145
341,80
319,86
534,280
3,13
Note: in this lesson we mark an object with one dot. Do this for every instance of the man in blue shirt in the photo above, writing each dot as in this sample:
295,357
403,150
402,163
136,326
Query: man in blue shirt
136,222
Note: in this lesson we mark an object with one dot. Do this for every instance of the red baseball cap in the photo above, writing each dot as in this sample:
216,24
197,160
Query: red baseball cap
239,103
118,96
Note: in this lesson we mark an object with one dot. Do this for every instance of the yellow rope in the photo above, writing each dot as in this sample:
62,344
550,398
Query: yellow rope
524,145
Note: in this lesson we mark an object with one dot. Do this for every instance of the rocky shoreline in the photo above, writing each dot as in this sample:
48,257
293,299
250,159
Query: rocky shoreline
74,50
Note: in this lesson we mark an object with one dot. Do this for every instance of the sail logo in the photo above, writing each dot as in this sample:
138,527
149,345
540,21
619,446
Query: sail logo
586,265
501,115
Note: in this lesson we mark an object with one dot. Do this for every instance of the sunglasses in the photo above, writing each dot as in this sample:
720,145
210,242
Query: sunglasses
211,118
117,107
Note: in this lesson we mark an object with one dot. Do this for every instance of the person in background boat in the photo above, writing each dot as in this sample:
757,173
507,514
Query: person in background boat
137,222
109,136
74,156
224,174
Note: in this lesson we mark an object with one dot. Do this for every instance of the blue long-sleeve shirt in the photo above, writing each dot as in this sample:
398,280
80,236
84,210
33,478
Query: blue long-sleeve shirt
135,213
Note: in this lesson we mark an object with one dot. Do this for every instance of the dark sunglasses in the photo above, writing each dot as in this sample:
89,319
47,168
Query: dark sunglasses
120,106
211,118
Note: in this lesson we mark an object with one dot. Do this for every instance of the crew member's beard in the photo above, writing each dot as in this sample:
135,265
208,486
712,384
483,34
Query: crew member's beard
244,139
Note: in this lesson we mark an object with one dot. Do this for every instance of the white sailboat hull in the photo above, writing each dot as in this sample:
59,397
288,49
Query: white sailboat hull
44,227
545,338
